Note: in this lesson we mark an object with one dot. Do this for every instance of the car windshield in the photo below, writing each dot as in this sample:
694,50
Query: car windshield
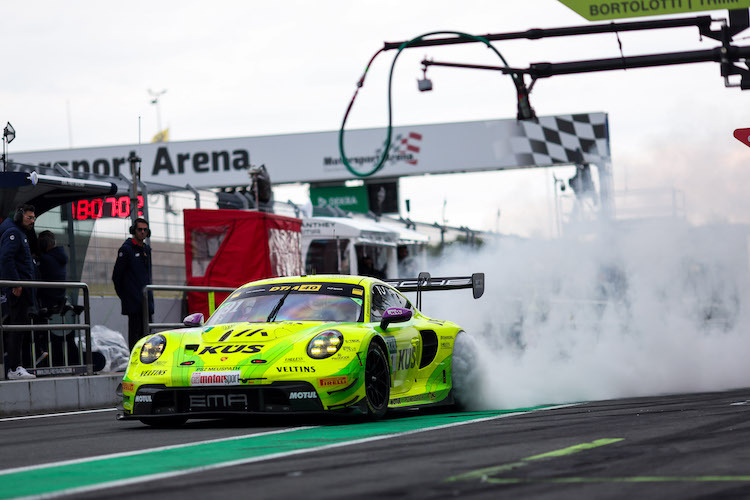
306,302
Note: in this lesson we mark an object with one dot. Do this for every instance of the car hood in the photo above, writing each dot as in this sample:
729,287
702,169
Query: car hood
259,332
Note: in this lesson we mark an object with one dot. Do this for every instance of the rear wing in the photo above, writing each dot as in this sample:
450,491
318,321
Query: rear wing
426,283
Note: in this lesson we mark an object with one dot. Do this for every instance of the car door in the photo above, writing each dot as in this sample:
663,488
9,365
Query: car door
403,340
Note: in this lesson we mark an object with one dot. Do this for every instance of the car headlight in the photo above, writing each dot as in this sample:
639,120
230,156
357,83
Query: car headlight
153,348
325,344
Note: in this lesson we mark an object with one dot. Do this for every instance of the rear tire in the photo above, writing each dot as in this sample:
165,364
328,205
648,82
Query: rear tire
164,422
465,376
377,381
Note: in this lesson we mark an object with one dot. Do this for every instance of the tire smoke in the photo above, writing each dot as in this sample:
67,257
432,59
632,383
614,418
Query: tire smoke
641,310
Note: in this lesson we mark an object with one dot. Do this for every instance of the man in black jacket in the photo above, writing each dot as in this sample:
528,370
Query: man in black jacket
53,264
131,274
16,264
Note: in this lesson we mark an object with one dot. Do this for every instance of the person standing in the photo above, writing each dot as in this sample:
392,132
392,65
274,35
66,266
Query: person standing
131,274
16,264
53,264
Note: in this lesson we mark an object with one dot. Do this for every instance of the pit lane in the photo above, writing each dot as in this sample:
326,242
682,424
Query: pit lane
677,446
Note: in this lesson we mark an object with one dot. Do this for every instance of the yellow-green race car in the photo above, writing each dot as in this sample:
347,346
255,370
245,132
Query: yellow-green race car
320,343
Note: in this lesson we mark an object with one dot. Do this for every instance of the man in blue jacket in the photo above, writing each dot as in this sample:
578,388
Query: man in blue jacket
131,274
16,264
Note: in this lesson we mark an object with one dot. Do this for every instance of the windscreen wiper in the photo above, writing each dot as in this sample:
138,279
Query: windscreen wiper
275,310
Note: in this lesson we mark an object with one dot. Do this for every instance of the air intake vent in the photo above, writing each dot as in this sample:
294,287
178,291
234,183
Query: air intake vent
429,347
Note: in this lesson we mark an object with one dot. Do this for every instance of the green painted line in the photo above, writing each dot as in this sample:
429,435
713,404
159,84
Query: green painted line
101,472
575,449
484,474
635,479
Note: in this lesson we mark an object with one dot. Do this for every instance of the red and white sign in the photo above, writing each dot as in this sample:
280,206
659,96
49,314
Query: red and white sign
215,378
743,135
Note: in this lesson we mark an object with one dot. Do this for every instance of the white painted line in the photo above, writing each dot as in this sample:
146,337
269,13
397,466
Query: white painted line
79,412
243,461
141,452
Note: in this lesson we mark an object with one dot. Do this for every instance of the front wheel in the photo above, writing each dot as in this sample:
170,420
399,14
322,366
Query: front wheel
377,381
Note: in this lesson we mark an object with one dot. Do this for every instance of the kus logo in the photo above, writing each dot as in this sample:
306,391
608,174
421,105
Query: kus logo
128,386
231,349
404,359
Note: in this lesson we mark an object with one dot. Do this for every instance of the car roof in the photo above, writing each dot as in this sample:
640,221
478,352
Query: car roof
317,278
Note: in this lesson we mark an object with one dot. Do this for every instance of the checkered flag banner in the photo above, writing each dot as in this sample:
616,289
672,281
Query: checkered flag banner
562,139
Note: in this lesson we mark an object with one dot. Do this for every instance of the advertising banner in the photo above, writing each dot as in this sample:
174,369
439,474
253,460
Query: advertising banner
314,157
601,10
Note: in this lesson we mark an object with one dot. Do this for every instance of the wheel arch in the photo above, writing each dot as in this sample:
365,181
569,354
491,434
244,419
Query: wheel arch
377,339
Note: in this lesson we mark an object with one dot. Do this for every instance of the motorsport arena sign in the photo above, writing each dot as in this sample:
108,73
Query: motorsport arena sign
314,157
601,10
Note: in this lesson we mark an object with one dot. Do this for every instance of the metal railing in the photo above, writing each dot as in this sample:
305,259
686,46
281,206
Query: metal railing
148,326
86,326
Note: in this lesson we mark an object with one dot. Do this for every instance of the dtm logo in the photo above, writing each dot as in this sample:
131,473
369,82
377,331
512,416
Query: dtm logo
303,395
218,400
215,378
145,398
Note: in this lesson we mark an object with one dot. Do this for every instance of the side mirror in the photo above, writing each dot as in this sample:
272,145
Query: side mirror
394,315
195,319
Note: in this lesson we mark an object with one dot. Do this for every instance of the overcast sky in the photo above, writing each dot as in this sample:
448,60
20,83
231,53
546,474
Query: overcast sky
78,74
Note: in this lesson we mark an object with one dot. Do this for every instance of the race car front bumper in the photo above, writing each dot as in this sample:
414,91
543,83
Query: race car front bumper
216,401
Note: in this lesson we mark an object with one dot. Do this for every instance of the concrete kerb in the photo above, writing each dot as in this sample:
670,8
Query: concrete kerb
44,395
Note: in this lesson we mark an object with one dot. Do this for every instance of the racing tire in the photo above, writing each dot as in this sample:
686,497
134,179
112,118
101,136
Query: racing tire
465,372
164,422
377,382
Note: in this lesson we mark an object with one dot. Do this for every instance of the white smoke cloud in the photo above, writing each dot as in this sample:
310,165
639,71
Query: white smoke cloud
640,310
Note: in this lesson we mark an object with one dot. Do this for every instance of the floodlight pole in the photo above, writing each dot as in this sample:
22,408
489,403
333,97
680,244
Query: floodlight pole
135,174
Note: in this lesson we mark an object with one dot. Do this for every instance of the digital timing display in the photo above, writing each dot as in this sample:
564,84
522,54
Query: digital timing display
99,208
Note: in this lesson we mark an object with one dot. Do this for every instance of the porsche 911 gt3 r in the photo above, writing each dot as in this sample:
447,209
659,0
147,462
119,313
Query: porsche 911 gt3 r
300,344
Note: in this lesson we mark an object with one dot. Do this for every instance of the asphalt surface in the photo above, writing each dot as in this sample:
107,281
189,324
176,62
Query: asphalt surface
674,446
